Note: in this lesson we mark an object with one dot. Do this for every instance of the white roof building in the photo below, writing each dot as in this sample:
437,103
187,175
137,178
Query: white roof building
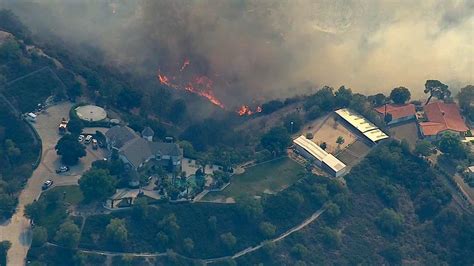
309,149
364,126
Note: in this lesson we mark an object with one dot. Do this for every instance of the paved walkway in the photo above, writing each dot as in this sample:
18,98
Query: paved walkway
17,229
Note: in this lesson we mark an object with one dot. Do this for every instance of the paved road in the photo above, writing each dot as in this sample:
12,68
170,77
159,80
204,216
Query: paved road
17,229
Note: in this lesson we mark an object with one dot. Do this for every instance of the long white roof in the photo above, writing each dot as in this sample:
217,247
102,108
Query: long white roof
356,120
371,131
319,153
334,163
311,147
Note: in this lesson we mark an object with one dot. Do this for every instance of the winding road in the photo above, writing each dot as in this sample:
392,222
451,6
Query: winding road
17,230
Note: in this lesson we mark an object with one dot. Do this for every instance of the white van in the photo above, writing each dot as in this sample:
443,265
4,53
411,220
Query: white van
30,117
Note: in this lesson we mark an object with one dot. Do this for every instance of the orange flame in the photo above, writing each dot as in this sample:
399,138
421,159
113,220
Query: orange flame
201,86
245,110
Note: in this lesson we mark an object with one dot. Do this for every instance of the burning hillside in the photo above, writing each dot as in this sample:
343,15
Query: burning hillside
246,110
197,84
200,85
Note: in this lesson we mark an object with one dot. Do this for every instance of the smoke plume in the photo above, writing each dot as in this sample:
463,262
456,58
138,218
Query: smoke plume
263,49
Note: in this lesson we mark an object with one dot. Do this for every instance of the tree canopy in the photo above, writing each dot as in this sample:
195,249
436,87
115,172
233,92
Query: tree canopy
390,221
97,184
68,235
400,95
466,101
452,146
75,126
423,148
116,231
276,140
70,149
4,247
437,89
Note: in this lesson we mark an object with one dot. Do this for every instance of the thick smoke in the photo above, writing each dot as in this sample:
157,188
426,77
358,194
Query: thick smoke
261,49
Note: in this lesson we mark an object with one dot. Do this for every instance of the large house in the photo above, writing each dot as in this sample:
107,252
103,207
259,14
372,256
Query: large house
442,117
136,151
399,112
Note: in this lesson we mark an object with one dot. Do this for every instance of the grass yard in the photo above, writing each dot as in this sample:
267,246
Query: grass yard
408,131
269,177
73,194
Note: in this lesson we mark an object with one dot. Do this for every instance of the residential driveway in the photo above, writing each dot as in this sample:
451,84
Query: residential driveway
17,229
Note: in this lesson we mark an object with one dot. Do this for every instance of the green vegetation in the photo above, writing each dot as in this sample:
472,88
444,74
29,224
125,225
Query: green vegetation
397,211
400,95
423,148
389,221
70,149
40,236
116,232
53,255
466,100
97,184
437,89
68,234
276,140
26,99
4,247
451,145
271,177
71,195
230,227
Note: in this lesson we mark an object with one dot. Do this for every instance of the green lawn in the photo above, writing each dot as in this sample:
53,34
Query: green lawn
269,177
73,193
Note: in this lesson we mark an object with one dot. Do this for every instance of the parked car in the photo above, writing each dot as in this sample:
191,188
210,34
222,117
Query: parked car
62,169
88,139
80,138
94,144
47,184
148,180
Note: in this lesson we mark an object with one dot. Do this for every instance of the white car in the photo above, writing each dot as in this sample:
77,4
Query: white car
88,139
47,184
80,138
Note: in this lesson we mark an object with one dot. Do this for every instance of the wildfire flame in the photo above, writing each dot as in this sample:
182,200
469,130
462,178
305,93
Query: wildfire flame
246,110
199,85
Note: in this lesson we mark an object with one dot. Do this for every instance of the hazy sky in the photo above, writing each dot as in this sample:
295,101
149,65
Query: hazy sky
265,49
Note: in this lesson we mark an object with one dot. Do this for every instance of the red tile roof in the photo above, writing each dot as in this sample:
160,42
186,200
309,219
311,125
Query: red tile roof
442,116
397,111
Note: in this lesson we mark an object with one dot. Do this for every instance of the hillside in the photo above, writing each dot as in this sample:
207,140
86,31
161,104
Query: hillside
399,214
